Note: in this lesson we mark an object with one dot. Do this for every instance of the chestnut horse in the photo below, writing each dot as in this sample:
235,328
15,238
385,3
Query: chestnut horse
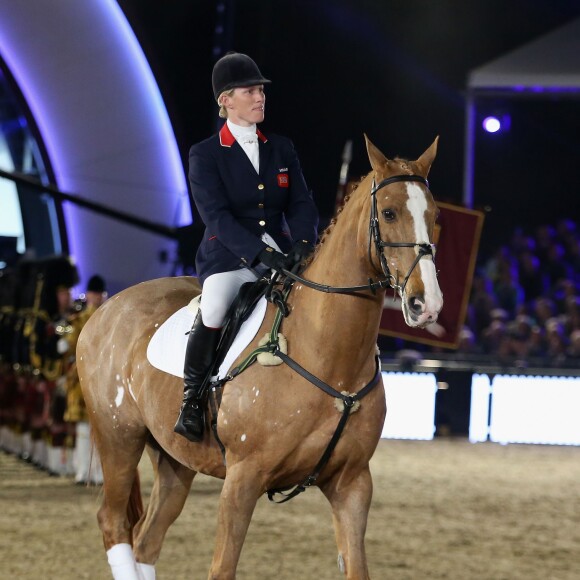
274,424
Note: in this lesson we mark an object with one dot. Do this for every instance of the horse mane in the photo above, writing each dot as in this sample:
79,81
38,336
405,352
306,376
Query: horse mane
328,230
404,165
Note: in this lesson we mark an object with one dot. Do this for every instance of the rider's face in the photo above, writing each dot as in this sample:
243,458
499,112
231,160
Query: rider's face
246,106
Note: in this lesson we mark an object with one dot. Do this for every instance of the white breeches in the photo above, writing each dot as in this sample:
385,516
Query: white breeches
219,290
218,293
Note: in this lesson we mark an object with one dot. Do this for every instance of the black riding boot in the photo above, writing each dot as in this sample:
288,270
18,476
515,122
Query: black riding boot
201,346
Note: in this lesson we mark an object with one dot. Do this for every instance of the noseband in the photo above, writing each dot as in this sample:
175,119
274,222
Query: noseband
422,248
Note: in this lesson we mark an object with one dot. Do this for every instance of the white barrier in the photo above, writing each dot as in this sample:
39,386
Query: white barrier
504,409
410,405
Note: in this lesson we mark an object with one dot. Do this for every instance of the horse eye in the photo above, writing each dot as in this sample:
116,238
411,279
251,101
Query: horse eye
389,215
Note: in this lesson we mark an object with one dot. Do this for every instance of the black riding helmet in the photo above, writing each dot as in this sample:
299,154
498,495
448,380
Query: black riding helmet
235,70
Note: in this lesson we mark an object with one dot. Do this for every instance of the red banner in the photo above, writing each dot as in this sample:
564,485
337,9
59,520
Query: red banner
459,231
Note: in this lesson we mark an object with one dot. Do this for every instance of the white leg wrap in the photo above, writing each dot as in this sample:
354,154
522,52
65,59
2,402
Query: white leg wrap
122,562
145,571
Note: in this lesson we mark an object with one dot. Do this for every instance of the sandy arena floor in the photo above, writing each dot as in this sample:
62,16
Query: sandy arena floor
441,509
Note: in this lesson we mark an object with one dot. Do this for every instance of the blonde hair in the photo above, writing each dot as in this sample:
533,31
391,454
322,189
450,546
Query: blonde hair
223,111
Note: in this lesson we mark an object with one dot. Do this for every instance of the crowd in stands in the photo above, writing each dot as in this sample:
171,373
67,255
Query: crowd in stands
524,308
525,299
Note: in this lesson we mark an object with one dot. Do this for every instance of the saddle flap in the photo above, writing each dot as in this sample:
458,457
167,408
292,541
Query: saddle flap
166,349
240,310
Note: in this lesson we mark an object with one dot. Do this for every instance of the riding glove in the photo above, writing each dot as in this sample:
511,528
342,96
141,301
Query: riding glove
299,252
273,259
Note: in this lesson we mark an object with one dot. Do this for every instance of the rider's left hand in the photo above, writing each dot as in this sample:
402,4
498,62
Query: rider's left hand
299,252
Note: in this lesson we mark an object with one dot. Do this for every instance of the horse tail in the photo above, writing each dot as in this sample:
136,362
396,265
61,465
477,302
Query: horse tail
135,505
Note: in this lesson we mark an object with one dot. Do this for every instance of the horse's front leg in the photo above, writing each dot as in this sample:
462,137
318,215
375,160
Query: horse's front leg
350,498
239,495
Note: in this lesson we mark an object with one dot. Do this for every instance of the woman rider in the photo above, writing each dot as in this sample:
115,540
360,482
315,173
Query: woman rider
258,213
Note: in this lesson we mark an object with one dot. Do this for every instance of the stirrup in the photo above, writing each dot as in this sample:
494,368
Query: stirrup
191,432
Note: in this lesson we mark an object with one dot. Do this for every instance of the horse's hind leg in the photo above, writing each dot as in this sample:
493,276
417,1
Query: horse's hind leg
121,507
238,499
170,490
350,498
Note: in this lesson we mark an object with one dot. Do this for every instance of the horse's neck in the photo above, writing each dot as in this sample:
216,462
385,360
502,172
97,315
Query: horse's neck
343,258
344,325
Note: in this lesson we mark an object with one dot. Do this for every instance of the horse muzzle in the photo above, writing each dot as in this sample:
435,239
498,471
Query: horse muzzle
420,311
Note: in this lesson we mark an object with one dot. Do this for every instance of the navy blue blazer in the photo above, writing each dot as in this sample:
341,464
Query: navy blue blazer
238,205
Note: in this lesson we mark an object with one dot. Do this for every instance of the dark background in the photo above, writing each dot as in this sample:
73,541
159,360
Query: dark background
395,70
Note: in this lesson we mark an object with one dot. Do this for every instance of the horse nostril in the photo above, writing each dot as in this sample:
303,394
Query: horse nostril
416,305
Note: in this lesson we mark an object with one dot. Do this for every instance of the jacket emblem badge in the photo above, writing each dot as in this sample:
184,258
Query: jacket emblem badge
283,180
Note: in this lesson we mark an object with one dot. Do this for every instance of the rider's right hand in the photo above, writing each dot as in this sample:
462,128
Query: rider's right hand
273,259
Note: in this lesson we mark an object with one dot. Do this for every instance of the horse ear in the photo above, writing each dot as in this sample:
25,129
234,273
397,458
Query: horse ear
376,158
426,160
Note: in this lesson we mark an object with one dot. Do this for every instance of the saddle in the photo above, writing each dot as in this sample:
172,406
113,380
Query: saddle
238,313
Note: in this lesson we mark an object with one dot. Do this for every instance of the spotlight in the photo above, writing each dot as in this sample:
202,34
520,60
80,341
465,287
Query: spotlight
491,124
497,123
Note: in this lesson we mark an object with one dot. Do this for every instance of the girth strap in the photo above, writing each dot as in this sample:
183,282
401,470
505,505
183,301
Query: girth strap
311,479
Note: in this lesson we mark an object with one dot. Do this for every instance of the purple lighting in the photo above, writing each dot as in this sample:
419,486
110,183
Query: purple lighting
110,141
529,89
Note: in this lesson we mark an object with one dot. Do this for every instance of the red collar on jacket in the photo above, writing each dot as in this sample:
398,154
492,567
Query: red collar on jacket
227,139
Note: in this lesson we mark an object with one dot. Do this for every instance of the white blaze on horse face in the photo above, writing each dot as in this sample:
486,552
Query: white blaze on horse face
417,206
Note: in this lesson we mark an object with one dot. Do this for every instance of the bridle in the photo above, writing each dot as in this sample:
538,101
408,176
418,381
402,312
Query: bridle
421,248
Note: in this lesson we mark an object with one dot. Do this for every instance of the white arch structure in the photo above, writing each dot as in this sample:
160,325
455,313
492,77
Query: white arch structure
105,127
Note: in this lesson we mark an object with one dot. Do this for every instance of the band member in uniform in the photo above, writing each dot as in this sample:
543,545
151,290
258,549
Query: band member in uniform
257,209
87,465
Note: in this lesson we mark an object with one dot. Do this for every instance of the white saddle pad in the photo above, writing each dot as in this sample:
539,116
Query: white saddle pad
166,350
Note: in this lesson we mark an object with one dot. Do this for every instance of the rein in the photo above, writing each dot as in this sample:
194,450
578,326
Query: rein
422,249
371,286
